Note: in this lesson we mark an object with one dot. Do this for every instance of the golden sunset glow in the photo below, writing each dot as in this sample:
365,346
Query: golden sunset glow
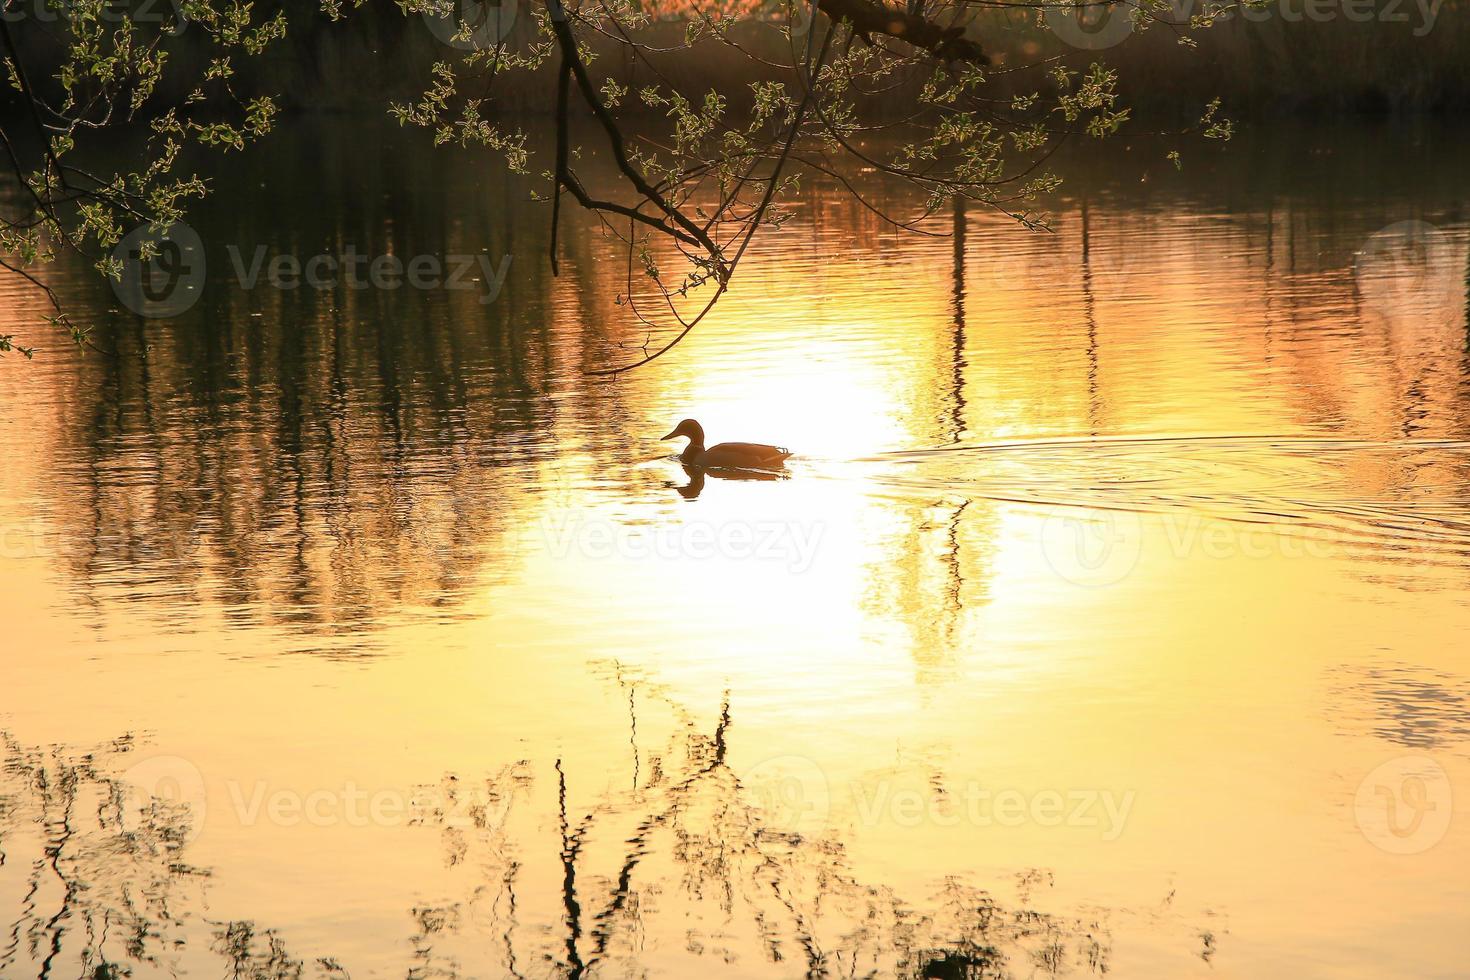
1117,573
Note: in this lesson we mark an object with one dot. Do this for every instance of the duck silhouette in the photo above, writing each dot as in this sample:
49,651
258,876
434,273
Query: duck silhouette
726,455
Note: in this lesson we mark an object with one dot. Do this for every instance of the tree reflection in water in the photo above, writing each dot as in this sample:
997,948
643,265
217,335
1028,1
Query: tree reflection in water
687,851
678,868
99,882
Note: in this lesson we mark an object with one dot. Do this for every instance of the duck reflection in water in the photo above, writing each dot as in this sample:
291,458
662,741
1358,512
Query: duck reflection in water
697,474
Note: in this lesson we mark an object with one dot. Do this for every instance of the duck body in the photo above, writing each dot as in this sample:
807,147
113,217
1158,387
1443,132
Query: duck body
725,455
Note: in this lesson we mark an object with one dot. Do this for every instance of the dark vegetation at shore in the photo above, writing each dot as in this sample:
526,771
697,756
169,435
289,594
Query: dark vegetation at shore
1293,57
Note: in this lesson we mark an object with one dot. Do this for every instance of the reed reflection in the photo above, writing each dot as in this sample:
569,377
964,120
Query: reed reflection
99,882
685,868
686,862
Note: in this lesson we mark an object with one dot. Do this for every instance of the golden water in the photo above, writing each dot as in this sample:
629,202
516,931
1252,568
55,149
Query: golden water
1112,616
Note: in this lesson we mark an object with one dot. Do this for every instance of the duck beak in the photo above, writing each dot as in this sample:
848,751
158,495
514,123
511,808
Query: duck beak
670,435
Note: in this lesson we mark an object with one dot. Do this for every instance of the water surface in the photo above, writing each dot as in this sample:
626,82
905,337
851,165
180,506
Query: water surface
1110,620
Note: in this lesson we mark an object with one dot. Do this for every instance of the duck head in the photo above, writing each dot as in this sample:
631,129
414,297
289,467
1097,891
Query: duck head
692,430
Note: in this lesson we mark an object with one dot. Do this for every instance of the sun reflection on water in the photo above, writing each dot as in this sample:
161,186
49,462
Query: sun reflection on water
1159,515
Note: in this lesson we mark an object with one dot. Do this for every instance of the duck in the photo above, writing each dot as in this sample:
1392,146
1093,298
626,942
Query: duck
726,455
